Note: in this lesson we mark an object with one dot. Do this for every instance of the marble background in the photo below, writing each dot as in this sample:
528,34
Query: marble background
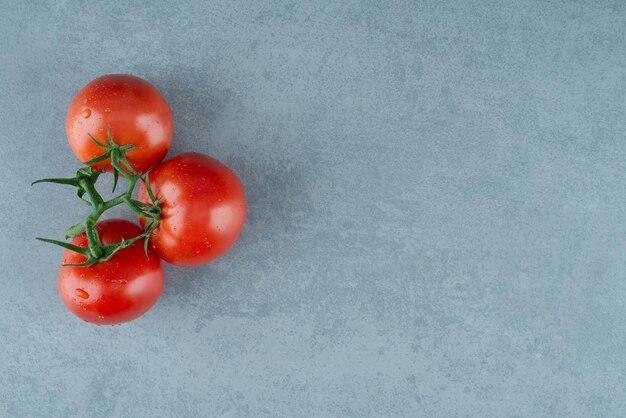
437,209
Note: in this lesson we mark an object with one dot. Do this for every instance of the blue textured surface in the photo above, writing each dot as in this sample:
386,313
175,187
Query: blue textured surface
437,209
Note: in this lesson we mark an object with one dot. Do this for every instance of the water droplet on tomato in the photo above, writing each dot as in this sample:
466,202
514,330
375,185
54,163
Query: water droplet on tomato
81,293
101,316
86,113
107,110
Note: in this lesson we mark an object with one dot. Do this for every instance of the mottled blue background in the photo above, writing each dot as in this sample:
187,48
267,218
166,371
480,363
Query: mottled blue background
437,209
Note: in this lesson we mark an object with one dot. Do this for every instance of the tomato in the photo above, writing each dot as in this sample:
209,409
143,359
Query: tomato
114,291
134,109
203,209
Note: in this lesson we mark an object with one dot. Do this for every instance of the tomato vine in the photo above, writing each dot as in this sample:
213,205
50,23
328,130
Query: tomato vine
85,181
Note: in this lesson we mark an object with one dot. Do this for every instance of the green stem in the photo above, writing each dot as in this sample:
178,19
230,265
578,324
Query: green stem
75,230
135,208
85,180
92,193
93,240
97,203
114,202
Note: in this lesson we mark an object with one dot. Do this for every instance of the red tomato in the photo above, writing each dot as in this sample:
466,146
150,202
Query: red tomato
114,291
134,109
203,209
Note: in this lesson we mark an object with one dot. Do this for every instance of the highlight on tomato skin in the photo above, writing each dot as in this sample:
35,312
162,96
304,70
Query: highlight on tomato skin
203,209
114,291
136,112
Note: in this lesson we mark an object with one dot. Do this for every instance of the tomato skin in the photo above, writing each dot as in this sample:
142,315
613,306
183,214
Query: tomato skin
203,209
134,109
114,291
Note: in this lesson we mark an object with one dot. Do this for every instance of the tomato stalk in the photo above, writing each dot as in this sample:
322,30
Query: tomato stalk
85,180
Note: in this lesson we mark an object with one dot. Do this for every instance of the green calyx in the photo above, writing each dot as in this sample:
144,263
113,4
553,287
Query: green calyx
84,181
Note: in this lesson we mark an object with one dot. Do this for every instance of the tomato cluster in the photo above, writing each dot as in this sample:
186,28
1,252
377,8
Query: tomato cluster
191,207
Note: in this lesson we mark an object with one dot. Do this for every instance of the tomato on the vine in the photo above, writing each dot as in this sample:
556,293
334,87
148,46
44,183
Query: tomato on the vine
136,113
114,291
203,208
